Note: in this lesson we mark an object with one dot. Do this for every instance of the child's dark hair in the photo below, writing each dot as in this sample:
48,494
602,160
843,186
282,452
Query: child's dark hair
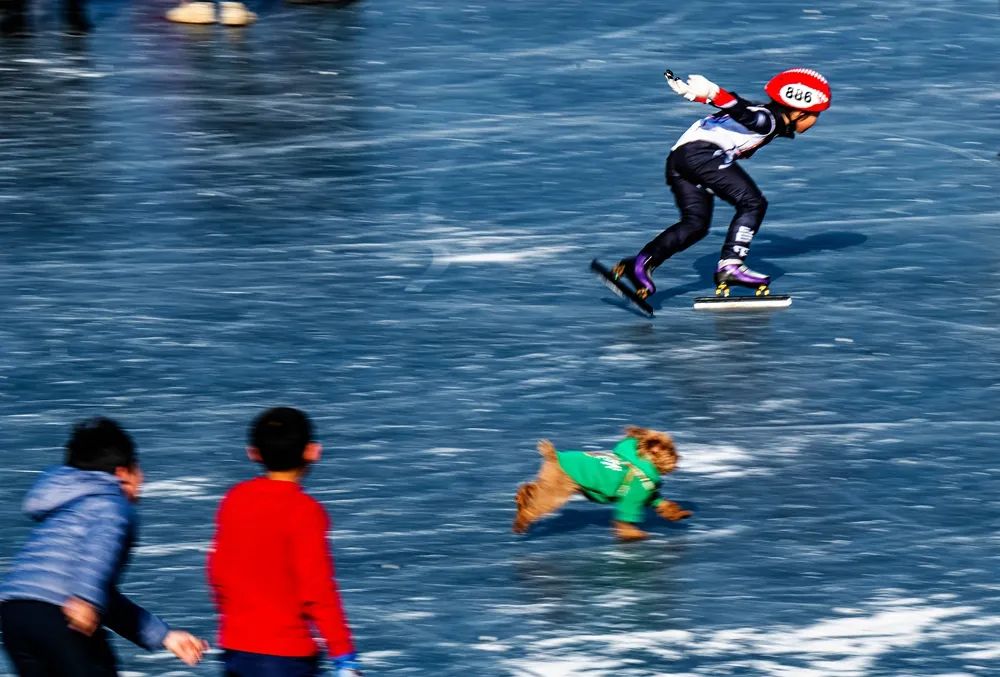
100,444
281,436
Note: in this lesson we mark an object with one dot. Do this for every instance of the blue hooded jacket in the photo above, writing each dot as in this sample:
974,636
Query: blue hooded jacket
79,549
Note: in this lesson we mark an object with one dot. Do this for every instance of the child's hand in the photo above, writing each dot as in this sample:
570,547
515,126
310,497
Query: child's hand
82,616
185,646
669,510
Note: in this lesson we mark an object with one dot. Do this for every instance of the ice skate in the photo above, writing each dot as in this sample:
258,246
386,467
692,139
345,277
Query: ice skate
731,272
612,279
235,14
637,271
197,12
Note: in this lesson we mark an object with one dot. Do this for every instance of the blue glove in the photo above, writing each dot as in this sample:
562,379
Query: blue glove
346,665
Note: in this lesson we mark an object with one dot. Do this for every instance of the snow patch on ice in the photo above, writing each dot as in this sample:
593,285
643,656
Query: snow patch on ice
447,451
159,550
845,646
409,615
617,599
586,666
195,488
502,257
724,460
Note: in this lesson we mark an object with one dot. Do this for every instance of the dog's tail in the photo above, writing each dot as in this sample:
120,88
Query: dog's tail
547,450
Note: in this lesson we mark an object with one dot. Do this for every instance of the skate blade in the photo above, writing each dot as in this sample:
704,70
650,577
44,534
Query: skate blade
720,303
618,287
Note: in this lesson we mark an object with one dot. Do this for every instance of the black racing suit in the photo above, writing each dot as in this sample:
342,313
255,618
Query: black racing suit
703,163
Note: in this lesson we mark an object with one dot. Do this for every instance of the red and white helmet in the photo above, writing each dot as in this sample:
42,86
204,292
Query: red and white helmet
800,88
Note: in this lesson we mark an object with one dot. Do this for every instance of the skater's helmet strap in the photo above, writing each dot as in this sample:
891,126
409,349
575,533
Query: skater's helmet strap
801,89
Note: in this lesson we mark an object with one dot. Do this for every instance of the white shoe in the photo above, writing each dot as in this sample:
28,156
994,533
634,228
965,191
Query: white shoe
198,12
235,14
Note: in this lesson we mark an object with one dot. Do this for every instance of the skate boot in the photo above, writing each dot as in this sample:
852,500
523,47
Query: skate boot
638,271
732,272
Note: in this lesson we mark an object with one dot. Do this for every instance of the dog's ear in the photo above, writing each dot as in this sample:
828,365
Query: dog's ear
664,441
659,448
655,446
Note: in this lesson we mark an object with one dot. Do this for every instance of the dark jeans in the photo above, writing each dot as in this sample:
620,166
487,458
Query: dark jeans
695,172
245,664
41,644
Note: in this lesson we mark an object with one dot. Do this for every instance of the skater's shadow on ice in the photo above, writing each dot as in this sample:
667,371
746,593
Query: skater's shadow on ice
623,304
771,245
766,246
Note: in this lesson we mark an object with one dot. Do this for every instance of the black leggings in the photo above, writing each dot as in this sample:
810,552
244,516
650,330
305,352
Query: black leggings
692,171
41,644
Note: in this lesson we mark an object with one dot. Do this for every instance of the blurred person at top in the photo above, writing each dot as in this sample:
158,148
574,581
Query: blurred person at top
16,12
62,588
228,13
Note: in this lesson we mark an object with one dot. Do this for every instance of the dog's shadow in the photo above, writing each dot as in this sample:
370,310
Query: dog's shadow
577,518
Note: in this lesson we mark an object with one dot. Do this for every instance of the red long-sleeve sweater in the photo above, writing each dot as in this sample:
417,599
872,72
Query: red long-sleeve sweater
272,574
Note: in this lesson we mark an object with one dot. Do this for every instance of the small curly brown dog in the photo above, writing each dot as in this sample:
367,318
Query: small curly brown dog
628,476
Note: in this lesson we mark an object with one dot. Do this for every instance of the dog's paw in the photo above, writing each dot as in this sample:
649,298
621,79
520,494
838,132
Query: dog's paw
669,510
625,532
525,492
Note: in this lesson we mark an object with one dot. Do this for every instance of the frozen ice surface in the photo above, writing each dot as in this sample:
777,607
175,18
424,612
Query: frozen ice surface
383,213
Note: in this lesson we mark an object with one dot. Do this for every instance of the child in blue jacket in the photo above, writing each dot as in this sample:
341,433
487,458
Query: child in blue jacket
62,590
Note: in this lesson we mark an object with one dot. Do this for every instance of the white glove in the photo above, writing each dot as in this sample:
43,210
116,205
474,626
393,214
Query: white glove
701,88
697,88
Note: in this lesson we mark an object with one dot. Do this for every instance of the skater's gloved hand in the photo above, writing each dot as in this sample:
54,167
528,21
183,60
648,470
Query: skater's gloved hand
669,510
346,665
700,89
185,646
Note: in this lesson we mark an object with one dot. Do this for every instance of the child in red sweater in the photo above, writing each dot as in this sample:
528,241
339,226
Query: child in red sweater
270,567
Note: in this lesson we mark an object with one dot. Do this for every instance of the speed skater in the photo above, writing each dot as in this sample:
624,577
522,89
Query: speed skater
702,164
